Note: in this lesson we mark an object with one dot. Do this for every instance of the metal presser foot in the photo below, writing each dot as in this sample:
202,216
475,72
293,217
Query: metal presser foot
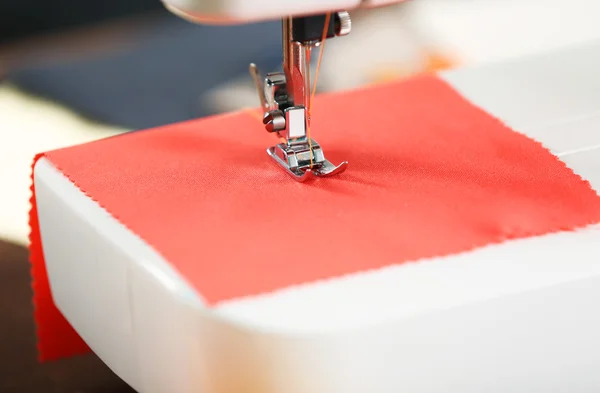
285,96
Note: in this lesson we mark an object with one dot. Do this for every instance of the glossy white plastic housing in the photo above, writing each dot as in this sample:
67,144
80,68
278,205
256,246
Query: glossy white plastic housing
523,316
245,11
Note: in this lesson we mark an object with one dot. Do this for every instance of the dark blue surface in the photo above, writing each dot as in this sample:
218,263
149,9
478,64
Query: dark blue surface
160,81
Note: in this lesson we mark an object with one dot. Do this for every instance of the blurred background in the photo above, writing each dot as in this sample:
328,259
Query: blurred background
74,71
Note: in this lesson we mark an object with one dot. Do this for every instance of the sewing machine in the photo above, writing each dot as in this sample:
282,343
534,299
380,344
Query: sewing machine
286,96
520,316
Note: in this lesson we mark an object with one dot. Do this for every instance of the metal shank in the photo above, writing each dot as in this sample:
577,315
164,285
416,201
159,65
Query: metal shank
285,98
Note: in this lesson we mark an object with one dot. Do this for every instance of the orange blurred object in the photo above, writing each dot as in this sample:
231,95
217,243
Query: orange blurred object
433,62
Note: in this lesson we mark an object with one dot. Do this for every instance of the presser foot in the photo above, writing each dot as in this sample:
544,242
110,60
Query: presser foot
296,161
285,97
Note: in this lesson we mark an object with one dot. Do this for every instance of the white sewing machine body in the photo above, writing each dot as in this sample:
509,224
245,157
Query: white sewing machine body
522,316
246,11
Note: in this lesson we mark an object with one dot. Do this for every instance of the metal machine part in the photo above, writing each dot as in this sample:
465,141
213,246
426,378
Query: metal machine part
224,12
285,97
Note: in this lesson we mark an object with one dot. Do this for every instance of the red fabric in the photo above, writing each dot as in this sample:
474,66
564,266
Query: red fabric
429,175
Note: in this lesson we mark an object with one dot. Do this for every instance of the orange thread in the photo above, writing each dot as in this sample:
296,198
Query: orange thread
314,89
321,48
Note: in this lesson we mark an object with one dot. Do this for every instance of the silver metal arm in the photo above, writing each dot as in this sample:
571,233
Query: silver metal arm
285,99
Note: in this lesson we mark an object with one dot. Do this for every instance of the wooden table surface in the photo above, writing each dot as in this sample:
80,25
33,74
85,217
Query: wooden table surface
19,370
